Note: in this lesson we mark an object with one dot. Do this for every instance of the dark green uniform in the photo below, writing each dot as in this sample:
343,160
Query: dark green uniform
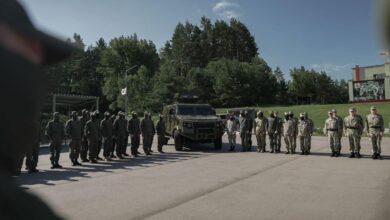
245,127
55,132
135,132
84,141
120,132
33,153
272,130
75,132
107,129
92,132
147,130
160,129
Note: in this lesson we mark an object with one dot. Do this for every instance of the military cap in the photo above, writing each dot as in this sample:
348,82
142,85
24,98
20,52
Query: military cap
259,112
352,109
330,112
74,113
134,113
286,113
15,17
55,114
301,114
107,113
373,108
333,111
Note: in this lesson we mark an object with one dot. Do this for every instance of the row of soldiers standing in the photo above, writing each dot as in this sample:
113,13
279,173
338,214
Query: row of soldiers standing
88,134
353,127
290,128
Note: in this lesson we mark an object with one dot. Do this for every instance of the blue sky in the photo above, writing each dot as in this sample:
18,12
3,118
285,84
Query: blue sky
329,35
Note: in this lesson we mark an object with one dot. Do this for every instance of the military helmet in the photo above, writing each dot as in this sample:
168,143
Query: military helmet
373,108
353,109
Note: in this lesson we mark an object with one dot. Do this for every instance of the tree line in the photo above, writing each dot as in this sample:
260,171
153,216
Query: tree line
220,62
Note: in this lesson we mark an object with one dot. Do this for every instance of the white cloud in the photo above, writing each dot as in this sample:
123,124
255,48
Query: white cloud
226,9
342,71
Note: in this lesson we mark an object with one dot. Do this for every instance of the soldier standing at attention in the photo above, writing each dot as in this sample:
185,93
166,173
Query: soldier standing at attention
353,126
160,130
304,133
92,132
74,131
231,130
244,130
114,141
311,125
154,132
295,121
279,130
260,130
375,128
100,142
147,130
331,129
55,132
85,117
288,133
120,132
251,123
340,126
272,130
133,127
106,130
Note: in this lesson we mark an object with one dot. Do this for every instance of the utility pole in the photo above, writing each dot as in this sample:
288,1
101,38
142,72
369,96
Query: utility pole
126,96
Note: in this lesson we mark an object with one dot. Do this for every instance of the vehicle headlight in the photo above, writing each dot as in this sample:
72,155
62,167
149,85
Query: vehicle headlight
187,125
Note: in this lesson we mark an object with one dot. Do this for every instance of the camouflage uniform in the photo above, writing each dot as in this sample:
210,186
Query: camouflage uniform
288,134
114,141
147,131
133,127
279,130
120,132
340,126
33,153
74,131
55,132
331,129
260,130
353,126
84,141
244,123
107,130
272,130
304,133
92,132
375,129
153,133
160,130
231,129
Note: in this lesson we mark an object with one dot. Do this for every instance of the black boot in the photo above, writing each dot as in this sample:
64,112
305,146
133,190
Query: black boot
333,154
379,156
352,155
374,156
358,155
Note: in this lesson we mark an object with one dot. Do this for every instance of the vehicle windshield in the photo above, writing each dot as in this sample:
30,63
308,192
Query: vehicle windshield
194,110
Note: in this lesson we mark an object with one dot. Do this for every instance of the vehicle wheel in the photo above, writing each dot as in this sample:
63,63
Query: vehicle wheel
218,143
178,141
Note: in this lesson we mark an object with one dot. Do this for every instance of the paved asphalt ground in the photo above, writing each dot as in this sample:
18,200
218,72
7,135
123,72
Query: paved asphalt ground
207,184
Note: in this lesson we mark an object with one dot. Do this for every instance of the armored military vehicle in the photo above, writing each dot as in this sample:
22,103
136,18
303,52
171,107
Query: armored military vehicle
193,123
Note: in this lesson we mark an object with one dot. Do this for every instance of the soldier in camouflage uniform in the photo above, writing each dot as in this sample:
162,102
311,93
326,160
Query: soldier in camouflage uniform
114,141
288,133
311,124
340,122
154,132
331,129
305,130
55,132
147,131
133,127
33,153
260,130
375,128
74,131
92,132
120,132
353,127
160,130
231,130
244,124
272,130
107,130
295,122
85,117
279,130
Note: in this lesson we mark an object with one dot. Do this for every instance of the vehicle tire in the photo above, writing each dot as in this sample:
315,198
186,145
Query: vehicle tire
218,143
178,141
